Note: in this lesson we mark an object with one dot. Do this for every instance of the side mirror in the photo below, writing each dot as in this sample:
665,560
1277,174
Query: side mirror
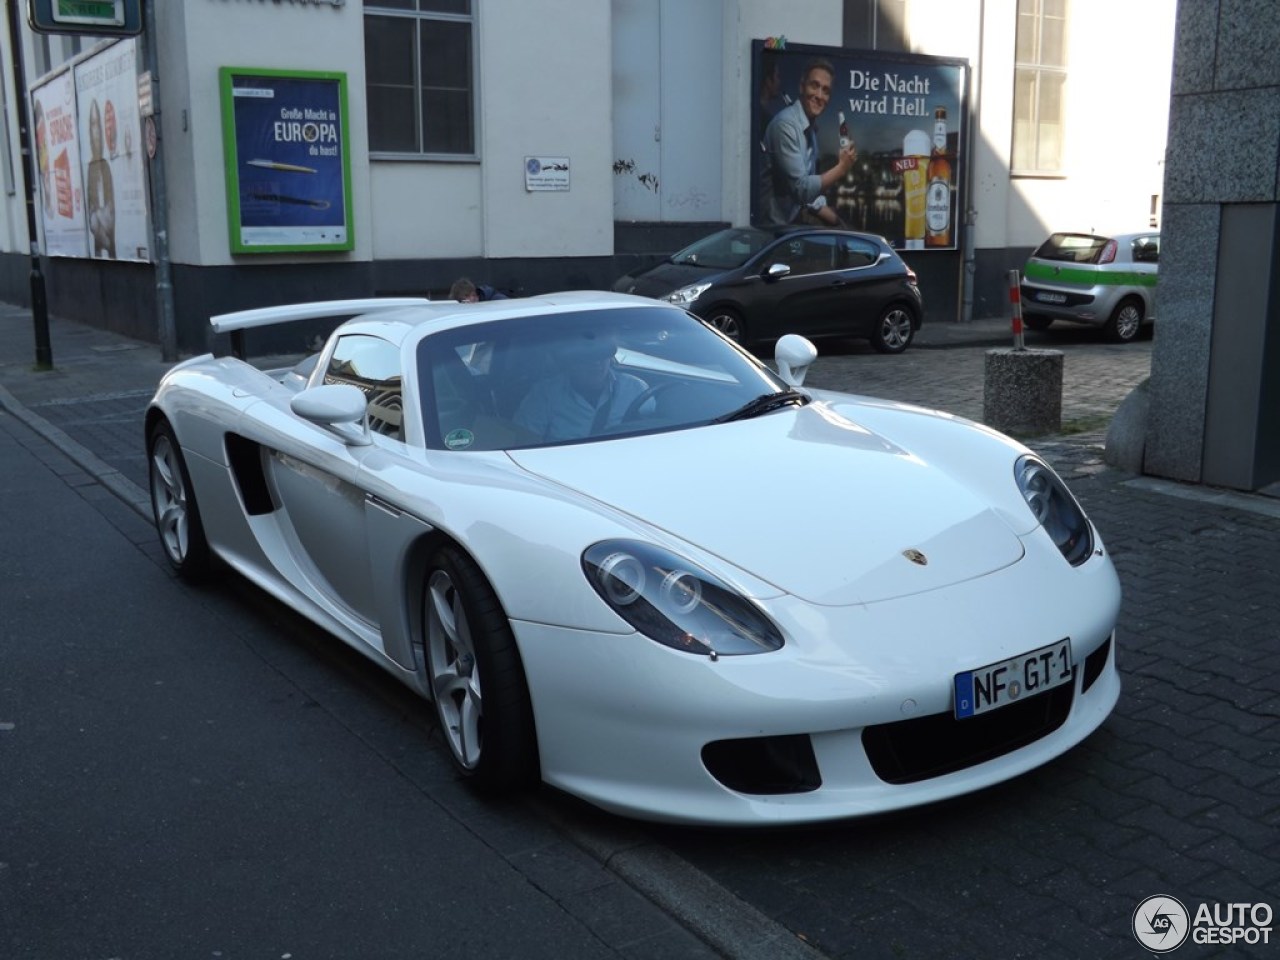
337,407
777,271
792,356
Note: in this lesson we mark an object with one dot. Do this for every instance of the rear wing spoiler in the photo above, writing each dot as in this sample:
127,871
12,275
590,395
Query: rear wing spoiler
236,323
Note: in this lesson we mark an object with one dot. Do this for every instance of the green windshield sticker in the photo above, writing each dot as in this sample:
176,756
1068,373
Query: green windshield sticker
459,439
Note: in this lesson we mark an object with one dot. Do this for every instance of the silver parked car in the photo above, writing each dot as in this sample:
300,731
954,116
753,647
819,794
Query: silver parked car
1105,281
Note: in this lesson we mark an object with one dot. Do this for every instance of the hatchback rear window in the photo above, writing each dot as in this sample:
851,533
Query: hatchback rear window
1072,248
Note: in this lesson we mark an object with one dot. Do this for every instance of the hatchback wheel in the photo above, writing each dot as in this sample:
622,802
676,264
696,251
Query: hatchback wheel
729,322
1125,321
894,330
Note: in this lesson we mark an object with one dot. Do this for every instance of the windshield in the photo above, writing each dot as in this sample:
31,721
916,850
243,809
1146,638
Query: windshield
726,249
1072,248
552,379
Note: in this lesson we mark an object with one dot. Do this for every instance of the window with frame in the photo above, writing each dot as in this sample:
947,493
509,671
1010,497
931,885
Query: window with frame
373,365
806,255
1040,79
420,77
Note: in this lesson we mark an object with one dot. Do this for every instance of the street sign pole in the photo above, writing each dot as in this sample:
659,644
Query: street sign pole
39,299
159,193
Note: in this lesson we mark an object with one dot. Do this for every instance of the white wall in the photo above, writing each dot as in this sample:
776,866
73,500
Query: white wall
819,22
545,91
196,39
545,69
1120,58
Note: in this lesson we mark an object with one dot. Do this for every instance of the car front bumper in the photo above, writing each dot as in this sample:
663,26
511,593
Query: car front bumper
625,723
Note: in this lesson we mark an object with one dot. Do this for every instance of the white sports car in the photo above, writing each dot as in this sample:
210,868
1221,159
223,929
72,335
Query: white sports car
620,554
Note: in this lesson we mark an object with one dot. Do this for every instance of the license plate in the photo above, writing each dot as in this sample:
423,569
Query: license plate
1000,684
1044,297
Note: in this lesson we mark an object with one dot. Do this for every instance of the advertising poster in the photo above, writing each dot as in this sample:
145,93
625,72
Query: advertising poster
53,117
868,141
287,158
115,175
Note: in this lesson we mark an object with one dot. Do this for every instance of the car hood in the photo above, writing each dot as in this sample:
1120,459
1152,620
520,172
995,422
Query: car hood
803,499
665,277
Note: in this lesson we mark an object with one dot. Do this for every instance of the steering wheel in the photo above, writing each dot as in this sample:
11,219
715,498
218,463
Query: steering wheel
633,408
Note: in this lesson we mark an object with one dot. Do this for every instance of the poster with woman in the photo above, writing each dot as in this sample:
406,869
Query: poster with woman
61,205
115,182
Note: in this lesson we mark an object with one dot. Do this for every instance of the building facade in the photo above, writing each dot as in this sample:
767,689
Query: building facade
532,144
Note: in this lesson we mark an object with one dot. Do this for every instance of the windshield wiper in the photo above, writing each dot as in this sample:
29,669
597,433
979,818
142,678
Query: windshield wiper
763,404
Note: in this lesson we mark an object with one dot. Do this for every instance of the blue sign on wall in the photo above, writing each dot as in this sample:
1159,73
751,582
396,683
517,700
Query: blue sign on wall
287,158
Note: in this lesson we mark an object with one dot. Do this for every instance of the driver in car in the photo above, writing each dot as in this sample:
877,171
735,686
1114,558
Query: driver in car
587,396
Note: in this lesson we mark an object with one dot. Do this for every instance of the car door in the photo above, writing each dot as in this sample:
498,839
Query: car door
805,300
866,283
323,506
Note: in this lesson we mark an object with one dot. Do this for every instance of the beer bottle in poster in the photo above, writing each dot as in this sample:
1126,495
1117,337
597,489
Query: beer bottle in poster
844,132
938,196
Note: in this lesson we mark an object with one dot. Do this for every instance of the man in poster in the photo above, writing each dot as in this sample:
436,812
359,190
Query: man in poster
791,189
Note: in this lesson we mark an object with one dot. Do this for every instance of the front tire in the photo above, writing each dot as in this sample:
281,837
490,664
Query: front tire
894,330
174,507
1125,321
729,322
476,677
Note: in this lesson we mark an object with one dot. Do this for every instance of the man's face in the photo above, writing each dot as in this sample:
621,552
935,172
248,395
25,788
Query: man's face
815,91
588,369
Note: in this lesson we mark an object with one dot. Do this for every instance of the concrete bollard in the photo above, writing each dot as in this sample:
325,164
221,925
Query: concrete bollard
1022,394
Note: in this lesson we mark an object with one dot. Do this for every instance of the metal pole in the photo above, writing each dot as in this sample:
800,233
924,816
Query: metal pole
39,299
1015,302
159,196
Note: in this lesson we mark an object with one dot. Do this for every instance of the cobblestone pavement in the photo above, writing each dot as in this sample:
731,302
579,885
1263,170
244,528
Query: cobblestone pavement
1176,794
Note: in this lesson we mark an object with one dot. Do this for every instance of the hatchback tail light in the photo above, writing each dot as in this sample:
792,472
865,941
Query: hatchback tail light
911,276
1108,252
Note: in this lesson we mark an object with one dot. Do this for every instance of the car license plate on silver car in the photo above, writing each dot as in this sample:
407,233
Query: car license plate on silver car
1046,297
1000,684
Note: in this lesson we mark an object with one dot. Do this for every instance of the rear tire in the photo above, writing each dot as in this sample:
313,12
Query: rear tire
174,507
894,330
1125,321
476,677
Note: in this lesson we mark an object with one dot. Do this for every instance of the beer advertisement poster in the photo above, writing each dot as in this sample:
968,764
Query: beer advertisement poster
61,205
885,131
288,160
115,176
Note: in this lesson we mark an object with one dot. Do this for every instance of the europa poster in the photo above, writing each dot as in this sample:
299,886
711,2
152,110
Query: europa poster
288,161
867,141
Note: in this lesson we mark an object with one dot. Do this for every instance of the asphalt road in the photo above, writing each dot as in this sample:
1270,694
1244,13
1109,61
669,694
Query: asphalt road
197,773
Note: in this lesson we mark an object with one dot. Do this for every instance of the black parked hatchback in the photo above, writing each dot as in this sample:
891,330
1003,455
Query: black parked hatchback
756,285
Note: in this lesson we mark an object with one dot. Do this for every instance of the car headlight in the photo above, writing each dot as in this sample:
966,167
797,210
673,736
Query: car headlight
675,602
687,294
1055,509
